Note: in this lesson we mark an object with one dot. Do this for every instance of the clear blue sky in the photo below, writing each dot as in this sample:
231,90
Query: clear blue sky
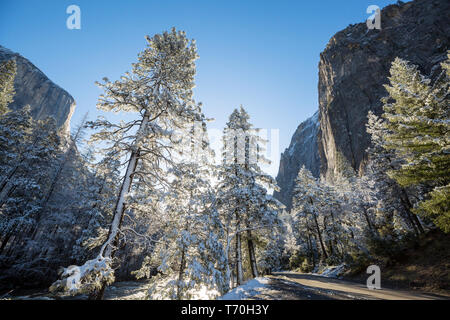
261,54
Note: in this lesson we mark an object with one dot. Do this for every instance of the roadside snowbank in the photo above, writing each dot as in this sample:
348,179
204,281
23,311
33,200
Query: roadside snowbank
247,290
332,271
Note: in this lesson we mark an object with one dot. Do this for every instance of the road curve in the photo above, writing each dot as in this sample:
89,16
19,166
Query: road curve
301,286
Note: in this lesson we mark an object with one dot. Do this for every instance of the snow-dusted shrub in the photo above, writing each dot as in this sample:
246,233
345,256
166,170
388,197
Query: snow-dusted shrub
86,278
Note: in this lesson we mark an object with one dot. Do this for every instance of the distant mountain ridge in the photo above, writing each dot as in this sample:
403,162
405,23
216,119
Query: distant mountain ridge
34,88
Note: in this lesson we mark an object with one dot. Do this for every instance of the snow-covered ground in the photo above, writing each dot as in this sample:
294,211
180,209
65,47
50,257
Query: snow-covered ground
332,271
249,289
260,285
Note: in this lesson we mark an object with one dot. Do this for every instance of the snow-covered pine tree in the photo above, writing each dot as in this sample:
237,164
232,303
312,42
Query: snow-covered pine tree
244,203
306,199
158,91
271,257
29,154
394,217
99,193
68,166
22,192
189,256
328,220
293,248
15,137
417,128
334,216
8,71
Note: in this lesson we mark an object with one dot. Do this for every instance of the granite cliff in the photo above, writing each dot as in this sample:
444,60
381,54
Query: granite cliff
34,88
303,150
355,65
352,70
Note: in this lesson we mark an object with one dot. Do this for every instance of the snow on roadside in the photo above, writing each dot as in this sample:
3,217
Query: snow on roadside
247,290
333,271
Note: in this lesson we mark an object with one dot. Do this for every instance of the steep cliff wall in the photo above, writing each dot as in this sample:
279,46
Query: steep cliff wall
355,65
303,150
352,70
35,89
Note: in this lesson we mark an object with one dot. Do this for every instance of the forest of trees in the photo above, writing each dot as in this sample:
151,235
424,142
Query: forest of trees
143,198
403,191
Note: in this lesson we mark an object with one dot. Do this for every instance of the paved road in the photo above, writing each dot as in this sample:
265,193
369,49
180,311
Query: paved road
300,286
282,286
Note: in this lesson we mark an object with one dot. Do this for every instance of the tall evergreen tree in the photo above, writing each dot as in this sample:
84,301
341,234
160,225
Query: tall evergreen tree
22,193
8,70
189,255
306,197
245,205
159,92
393,206
417,128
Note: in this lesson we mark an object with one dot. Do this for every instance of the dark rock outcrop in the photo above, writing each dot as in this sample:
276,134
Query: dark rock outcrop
352,70
34,88
303,150
355,65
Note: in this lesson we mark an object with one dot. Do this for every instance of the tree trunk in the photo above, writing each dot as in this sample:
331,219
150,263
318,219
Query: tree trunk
228,266
251,254
7,178
239,274
5,241
108,248
309,247
57,176
322,246
181,274
369,223
182,263
6,192
331,248
418,223
311,251
319,235
412,217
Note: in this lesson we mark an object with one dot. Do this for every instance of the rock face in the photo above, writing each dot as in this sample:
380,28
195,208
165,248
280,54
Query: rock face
35,89
355,65
303,150
352,70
